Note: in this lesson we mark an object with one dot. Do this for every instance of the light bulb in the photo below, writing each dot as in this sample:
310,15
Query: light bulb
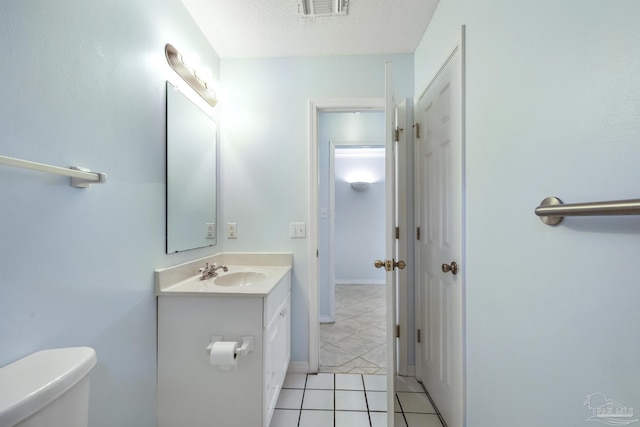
190,61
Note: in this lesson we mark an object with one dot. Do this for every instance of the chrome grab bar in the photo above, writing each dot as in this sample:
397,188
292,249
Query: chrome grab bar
80,177
552,210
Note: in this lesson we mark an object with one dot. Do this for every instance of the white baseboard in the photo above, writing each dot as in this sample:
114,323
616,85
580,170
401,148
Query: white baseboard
411,370
325,318
359,282
298,368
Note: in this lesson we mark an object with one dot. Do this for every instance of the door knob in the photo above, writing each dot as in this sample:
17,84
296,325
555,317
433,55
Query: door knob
390,265
453,268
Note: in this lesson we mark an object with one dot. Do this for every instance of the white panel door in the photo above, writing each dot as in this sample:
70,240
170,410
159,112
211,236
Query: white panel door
440,246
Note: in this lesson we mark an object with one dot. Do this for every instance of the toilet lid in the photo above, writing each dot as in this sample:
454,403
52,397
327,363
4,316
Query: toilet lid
29,384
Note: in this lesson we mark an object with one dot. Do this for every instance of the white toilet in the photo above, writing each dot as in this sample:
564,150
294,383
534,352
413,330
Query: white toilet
48,388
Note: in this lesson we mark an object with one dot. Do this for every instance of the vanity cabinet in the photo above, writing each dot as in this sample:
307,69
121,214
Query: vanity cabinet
193,392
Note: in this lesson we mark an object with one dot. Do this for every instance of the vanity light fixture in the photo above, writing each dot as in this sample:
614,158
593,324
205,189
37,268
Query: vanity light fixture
198,78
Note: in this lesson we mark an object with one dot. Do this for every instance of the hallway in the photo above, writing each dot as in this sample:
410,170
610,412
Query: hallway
355,343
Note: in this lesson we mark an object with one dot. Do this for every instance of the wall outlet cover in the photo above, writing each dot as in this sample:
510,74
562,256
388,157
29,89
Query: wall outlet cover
211,230
232,230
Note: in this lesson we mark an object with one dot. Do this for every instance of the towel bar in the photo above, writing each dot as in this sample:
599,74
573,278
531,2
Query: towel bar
552,210
80,177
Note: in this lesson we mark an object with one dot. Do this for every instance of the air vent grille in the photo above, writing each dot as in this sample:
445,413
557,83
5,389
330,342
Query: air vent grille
310,8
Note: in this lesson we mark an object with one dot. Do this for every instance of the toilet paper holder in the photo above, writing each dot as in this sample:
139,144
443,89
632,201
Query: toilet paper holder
246,347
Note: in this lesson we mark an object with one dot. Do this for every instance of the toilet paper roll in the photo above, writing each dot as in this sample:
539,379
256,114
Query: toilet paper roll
223,355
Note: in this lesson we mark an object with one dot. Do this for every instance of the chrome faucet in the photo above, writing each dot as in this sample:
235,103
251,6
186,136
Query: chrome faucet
209,271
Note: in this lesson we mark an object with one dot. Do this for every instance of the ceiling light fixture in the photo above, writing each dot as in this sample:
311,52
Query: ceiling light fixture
360,186
311,8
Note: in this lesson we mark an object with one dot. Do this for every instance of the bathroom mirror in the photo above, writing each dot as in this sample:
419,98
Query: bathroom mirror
191,174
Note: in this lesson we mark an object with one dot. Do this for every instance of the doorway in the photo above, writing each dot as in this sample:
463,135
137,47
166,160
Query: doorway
319,159
397,321
319,265
353,323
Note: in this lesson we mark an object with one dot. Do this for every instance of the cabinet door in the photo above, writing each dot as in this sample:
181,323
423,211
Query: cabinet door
272,365
285,343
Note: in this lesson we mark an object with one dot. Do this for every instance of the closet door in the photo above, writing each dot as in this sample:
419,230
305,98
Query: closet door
441,270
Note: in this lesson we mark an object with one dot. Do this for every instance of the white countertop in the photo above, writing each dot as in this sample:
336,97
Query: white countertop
194,286
184,279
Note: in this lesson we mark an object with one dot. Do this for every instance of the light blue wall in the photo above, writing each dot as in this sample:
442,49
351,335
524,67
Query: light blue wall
359,236
83,83
552,109
265,151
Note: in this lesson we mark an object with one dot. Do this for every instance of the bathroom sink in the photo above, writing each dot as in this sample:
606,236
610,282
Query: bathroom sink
240,278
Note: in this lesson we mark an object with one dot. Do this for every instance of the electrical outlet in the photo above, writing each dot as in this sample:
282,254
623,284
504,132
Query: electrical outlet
232,230
298,230
211,230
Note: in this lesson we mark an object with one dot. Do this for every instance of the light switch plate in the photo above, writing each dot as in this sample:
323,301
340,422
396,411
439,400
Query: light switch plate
298,230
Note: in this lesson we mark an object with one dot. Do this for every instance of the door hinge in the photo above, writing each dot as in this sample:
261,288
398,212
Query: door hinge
418,233
397,232
396,134
419,335
317,253
397,331
417,126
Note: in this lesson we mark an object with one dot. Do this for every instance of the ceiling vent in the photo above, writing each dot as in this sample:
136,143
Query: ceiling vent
311,8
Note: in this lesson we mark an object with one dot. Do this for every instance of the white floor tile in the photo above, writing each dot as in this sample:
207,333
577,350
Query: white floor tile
290,399
350,400
285,418
415,402
379,419
408,384
320,381
318,399
423,420
316,418
375,382
352,419
349,382
295,381
377,401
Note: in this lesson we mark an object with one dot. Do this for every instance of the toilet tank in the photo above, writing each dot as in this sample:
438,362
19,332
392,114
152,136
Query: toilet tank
48,388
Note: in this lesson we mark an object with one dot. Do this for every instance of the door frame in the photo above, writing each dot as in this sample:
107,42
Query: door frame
316,106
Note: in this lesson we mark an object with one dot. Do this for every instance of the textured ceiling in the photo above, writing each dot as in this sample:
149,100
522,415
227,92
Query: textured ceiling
272,28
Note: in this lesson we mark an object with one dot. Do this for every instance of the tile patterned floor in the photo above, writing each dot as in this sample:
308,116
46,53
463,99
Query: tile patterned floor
355,343
351,400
